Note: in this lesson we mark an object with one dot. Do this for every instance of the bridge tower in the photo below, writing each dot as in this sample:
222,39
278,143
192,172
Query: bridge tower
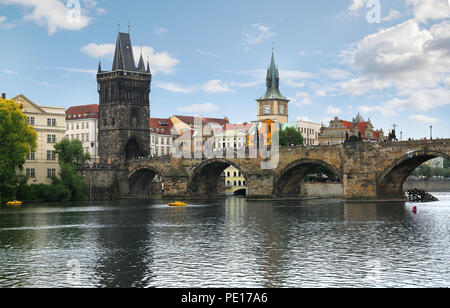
124,108
273,105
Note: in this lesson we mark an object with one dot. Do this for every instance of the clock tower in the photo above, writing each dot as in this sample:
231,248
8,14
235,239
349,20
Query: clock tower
273,105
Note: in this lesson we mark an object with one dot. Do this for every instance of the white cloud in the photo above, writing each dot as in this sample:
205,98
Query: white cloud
207,53
161,31
216,86
160,62
301,99
424,119
255,37
356,5
393,14
333,111
425,10
409,61
53,14
207,107
4,25
8,72
69,69
336,74
173,87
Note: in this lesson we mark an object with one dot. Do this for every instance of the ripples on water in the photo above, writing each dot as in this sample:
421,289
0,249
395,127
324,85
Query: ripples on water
231,243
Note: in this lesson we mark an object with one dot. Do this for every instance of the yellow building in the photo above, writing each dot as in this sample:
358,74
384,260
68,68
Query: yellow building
235,182
50,126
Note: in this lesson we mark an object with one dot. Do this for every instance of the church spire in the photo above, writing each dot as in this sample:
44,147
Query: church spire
273,81
148,66
99,67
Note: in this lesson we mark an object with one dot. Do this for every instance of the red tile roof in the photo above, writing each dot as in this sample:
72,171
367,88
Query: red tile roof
160,126
190,120
82,112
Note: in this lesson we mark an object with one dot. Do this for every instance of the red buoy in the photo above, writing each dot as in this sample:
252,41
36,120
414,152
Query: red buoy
414,209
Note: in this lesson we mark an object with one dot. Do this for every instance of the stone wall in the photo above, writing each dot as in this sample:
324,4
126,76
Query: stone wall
322,190
429,186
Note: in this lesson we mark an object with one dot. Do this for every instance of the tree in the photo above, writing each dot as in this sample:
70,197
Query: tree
71,158
290,136
446,164
17,140
71,153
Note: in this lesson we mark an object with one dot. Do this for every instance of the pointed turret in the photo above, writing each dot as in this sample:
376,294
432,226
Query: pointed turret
141,65
273,81
99,67
148,67
123,56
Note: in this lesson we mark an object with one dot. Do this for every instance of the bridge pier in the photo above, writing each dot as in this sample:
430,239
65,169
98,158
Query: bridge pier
175,185
260,185
360,186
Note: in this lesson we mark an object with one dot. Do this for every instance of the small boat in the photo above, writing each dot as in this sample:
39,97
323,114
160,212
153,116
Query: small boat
177,203
15,202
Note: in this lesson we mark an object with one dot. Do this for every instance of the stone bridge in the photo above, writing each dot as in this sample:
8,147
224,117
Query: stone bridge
366,171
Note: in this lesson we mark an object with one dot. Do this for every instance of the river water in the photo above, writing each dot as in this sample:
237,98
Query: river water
226,243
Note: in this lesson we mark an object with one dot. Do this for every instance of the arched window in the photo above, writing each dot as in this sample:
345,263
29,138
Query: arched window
235,184
234,174
240,183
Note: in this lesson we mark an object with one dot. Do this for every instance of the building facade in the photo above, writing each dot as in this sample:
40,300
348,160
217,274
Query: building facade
50,126
309,130
235,183
161,137
124,109
273,105
338,130
82,124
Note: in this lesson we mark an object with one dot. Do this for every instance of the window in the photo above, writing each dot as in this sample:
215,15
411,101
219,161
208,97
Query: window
51,172
77,136
31,172
87,137
67,126
87,124
51,138
51,122
82,125
72,126
31,156
51,155
30,120
82,137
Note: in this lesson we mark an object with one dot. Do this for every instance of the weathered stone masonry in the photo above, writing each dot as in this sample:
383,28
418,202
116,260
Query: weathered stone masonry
367,171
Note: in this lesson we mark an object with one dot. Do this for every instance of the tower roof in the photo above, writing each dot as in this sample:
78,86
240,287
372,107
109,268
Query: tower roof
141,65
123,57
273,82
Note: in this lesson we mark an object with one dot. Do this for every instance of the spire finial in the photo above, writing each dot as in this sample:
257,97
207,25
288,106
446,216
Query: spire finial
129,26
118,24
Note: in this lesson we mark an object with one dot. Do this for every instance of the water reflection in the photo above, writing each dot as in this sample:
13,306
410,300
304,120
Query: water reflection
226,243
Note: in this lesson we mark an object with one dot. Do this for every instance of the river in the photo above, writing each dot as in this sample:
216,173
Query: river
226,243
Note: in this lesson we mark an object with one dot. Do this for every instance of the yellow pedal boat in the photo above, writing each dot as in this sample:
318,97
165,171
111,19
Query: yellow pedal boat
178,203
15,202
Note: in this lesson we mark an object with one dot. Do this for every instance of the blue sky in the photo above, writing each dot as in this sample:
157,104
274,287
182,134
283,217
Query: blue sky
336,58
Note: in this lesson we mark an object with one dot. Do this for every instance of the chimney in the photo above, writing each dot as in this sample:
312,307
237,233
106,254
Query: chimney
4,95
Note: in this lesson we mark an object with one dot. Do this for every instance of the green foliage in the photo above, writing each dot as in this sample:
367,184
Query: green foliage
429,172
73,181
290,136
71,158
446,164
17,139
42,192
70,152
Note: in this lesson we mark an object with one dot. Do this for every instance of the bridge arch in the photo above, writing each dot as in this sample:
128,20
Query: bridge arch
206,178
145,181
288,181
390,182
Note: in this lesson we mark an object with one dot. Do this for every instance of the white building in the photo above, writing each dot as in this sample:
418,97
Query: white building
49,124
82,124
161,137
309,130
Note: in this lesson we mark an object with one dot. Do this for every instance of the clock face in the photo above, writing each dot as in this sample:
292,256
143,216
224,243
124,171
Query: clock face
267,110
282,109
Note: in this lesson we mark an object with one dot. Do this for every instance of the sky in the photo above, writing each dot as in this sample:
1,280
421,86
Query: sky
388,60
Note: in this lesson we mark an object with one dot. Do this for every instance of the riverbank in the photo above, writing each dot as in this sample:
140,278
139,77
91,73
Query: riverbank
428,185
